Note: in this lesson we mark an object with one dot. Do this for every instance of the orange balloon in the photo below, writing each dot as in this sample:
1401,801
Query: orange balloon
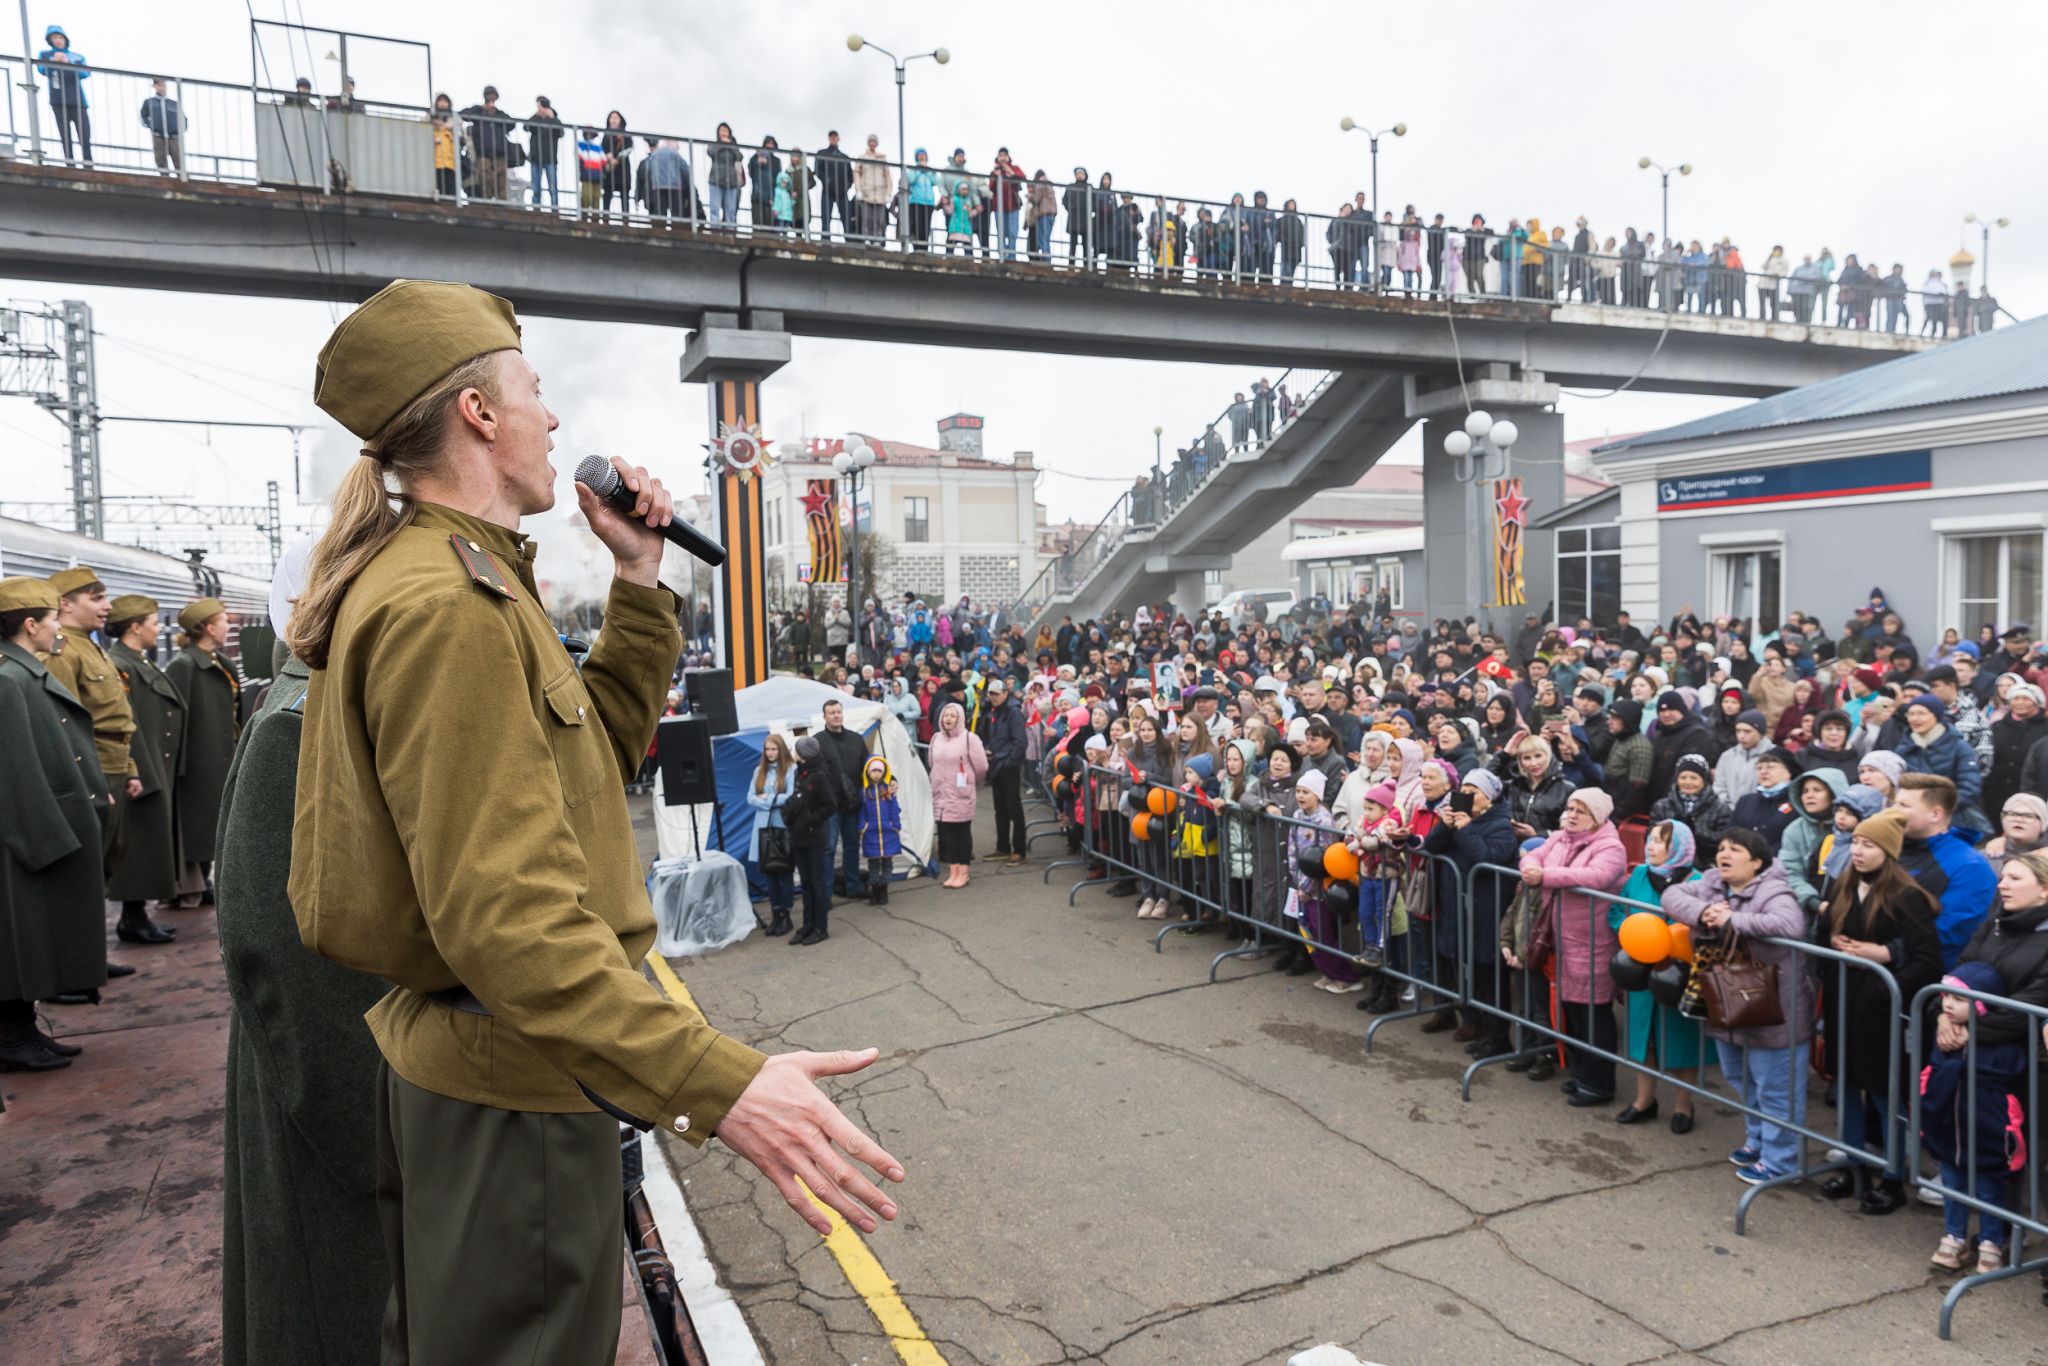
1162,801
1646,938
1141,826
1681,943
1340,863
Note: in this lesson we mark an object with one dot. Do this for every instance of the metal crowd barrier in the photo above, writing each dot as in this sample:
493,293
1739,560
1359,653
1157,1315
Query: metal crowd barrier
2019,1205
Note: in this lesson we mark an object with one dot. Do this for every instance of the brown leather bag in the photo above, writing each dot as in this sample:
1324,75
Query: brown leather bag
1741,993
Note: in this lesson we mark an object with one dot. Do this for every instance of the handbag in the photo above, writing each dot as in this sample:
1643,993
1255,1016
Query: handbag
1741,993
778,854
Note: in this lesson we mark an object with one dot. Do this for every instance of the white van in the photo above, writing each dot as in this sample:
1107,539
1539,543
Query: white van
1277,602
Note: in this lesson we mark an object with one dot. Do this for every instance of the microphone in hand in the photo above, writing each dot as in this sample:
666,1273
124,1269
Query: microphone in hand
597,474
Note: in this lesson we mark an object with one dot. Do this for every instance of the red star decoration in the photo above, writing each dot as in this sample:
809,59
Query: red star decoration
818,502
1513,507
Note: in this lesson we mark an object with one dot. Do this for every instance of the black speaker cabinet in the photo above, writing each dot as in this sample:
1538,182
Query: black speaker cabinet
682,747
709,693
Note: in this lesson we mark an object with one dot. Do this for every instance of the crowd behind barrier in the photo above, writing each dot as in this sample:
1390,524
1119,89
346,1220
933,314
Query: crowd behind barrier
1727,861
868,195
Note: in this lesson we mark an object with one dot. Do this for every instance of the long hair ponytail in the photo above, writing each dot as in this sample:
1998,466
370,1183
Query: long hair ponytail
371,505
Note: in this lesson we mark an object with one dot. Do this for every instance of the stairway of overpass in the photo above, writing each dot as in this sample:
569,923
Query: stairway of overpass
1343,423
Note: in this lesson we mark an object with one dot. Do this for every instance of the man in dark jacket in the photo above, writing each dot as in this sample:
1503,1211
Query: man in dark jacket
844,754
1679,732
543,148
835,180
490,139
1003,737
1630,760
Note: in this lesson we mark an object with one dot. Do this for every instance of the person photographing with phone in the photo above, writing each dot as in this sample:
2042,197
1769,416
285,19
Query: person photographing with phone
461,831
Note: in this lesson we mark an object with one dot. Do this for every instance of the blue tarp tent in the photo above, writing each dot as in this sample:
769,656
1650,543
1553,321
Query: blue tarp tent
794,707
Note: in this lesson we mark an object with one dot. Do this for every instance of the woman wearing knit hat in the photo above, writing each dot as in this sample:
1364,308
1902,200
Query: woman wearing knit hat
1882,769
1584,856
1932,745
1879,914
1692,800
2023,829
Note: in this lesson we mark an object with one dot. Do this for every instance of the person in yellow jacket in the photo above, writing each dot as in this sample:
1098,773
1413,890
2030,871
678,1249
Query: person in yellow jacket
462,832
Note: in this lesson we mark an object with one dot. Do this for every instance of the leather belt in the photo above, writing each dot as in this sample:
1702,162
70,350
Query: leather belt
462,998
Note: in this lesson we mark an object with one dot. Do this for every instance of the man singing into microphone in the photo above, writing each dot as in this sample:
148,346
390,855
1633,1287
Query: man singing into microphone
462,832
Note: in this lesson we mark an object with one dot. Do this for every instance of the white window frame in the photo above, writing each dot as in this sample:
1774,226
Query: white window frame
1391,574
2003,531
1723,546
1558,555
924,503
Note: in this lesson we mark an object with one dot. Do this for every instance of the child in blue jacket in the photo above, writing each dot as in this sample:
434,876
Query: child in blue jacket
1985,1130
881,826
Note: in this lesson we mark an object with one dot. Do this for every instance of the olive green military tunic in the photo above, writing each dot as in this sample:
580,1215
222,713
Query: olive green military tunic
83,667
150,860
462,823
53,808
210,692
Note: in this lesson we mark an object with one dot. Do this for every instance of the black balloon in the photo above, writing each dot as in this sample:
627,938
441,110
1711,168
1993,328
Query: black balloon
1627,973
1667,982
1070,764
1310,859
1342,898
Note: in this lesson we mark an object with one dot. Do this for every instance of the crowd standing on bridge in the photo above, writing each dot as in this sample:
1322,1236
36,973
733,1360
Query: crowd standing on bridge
1756,781
994,211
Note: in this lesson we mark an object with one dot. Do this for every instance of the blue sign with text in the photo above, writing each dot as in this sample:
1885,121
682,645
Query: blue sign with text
1859,475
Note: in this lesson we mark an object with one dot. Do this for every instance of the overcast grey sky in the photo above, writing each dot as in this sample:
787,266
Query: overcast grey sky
1867,127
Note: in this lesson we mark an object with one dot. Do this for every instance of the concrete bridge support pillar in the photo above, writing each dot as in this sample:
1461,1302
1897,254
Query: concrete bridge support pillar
1460,519
730,356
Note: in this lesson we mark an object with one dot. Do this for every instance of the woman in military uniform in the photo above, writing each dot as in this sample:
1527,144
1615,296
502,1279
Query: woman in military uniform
148,866
210,689
54,805
462,832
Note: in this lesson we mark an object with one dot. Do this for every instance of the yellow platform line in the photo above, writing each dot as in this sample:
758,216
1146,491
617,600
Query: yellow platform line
857,1261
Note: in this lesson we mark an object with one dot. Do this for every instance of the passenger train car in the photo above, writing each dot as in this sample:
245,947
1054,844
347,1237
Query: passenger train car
30,548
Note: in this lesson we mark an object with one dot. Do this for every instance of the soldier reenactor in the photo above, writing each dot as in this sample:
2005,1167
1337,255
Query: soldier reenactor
462,832
54,805
211,690
149,864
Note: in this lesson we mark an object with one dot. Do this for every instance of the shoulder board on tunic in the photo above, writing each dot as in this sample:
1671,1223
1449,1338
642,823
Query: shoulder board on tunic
482,567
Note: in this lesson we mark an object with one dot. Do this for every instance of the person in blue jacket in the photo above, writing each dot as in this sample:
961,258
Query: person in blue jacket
59,64
881,826
773,784
1932,745
1945,862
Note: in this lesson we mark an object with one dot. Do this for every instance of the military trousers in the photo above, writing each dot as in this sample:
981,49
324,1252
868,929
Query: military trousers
504,1230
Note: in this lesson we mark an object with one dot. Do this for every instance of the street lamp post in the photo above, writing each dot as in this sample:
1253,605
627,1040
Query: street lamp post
1683,168
1399,130
850,465
1482,435
1984,256
854,43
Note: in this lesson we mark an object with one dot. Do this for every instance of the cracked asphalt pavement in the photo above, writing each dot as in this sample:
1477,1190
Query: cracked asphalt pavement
1112,1160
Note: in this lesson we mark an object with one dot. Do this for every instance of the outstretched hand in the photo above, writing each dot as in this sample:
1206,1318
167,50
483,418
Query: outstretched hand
785,1125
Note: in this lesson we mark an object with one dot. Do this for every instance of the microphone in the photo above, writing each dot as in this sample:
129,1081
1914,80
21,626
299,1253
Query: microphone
601,477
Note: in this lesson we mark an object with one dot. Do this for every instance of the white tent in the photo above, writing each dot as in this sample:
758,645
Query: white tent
794,707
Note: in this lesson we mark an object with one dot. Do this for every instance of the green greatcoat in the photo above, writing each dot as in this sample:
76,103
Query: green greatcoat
303,1276
53,809
150,860
209,691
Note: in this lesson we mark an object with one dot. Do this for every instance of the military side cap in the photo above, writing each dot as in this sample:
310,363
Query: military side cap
23,592
194,615
130,606
405,339
76,577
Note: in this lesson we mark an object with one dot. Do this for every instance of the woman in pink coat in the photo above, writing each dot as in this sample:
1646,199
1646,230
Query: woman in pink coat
959,767
1586,855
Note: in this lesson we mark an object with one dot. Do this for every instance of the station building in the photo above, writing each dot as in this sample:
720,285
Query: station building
1925,476
954,519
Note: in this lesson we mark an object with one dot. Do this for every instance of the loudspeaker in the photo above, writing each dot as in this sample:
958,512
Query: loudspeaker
682,747
709,693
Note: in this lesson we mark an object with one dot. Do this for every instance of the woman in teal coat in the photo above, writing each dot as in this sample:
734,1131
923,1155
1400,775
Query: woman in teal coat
1658,1034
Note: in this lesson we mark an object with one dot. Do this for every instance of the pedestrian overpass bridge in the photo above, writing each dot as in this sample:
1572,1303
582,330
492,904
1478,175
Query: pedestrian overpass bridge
1392,359
75,225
